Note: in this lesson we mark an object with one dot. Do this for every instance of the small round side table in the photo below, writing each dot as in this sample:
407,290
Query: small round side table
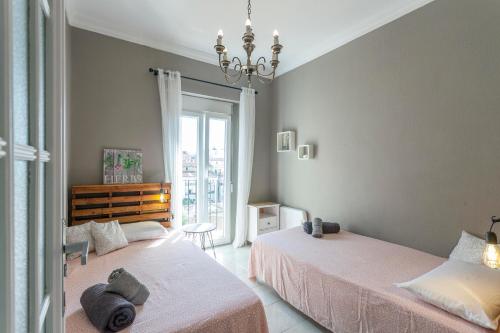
203,230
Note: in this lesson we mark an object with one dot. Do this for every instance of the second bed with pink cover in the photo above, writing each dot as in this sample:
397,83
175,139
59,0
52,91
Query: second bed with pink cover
190,292
345,282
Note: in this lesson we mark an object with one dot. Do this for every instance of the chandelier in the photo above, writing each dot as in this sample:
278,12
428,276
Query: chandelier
248,69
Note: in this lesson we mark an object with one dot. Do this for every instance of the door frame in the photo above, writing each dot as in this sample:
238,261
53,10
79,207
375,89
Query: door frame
6,173
56,170
38,308
57,173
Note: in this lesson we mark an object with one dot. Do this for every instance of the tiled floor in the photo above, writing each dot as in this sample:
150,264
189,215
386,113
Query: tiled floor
281,316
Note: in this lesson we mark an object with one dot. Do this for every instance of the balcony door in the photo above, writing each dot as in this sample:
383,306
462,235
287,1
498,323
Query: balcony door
206,159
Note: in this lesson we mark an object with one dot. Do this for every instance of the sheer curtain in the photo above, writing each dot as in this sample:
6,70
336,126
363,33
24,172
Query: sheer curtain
169,84
245,161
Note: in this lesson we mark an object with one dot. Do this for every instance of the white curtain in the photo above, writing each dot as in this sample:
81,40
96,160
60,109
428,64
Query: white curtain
169,84
245,162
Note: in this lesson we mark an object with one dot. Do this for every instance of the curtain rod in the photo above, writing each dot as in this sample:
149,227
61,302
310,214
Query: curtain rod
155,72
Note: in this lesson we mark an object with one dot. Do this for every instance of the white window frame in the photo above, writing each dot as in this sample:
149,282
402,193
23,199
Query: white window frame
227,168
203,117
200,157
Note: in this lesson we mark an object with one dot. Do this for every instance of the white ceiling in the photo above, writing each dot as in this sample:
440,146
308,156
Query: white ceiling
308,29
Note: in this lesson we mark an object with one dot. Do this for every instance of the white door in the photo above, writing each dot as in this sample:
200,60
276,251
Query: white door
31,126
206,177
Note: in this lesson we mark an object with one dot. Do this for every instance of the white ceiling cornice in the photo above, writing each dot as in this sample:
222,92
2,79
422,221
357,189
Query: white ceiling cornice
293,61
90,24
351,34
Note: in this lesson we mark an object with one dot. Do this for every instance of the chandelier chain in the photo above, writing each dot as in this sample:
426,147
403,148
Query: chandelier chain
249,9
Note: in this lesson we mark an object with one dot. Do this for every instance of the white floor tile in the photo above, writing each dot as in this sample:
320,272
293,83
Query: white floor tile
267,295
307,326
281,317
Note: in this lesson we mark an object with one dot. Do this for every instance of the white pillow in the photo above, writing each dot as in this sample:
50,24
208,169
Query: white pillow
466,290
79,233
108,237
143,230
469,249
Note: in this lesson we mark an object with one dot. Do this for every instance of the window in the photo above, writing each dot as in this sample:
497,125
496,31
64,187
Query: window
206,159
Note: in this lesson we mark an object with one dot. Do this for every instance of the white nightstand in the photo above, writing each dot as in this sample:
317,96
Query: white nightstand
263,217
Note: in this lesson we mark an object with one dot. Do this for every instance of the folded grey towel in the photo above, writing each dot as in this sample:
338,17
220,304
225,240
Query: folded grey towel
327,227
317,228
123,283
108,312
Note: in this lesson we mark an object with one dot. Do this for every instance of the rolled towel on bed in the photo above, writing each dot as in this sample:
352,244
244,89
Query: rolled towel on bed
308,227
330,227
317,228
125,284
108,312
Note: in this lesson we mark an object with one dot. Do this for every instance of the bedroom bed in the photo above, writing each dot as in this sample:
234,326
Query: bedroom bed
345,282
189,291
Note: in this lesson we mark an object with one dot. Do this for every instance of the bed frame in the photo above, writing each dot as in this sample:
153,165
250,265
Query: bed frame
123,202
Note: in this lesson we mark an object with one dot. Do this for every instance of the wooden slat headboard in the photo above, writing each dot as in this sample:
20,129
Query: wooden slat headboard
123,202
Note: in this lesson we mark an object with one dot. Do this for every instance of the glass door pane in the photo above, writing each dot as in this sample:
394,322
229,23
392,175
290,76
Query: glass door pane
190,162
217,175
41,237
20,68
21,220
22,214
29,111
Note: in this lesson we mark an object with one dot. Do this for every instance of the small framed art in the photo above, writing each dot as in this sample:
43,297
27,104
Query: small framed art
122,166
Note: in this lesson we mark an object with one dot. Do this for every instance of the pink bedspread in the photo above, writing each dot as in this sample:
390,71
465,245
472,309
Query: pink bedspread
345,282
190,292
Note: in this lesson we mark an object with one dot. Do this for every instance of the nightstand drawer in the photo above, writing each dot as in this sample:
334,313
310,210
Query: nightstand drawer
268,222
265,231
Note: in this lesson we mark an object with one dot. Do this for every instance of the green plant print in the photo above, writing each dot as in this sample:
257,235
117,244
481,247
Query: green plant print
128,163
138,161
109,160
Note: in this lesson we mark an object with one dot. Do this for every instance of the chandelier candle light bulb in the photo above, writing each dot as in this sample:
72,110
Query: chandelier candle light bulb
247,68
248,25
276,36
220,34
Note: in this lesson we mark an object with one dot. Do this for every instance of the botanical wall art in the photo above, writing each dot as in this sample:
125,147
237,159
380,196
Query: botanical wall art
122,166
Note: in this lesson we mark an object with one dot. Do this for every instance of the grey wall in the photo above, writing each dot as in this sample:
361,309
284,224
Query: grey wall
115,103
406,122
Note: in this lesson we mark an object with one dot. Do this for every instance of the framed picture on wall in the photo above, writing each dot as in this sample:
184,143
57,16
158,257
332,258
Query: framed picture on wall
122,166
285,141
